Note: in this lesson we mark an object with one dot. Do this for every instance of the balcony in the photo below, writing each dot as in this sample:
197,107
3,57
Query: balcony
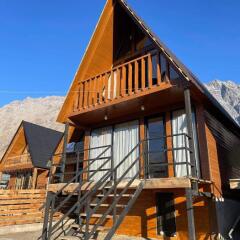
156,167
18,162
134,80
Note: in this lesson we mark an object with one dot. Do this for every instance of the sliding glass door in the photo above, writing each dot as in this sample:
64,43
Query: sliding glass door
180,141
156,147
123,137
126,138
100,138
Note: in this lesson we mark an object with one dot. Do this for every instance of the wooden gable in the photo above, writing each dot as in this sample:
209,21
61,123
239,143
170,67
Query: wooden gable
17,155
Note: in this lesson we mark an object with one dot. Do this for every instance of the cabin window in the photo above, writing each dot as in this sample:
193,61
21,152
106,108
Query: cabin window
23,180
174,76
122,138
166,222
181,143
154,69
163,63
156,148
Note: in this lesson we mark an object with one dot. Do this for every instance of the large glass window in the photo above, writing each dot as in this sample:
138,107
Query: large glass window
156,147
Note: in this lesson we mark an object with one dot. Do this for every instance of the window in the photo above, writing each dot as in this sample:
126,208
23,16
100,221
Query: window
173,74
166,222
156,147
23,180
163,63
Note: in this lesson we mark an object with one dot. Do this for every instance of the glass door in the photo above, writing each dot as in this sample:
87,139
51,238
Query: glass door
156,148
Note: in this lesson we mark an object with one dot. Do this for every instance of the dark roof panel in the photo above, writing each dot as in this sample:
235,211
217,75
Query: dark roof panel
42,143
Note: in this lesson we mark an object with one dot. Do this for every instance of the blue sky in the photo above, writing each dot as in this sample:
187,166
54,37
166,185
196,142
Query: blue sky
42,42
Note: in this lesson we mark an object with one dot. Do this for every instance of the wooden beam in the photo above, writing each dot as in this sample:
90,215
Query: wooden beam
142,138
169,144
34,178
86,152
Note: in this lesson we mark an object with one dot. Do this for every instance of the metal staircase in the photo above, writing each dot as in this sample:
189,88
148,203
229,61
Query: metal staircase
94,202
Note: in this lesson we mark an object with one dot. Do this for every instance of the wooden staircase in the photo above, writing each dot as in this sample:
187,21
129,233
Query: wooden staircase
101,207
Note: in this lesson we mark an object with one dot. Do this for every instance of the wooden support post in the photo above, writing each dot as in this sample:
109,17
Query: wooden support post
169,145
188,110
159,77
34,179
136,77
142,138
86,153
190,214
64,154
150,71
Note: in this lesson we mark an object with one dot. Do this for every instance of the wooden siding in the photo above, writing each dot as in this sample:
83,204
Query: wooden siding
213,162
42,179
21,206
141,220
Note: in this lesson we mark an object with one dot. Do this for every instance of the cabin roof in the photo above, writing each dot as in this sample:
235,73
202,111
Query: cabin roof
181,67
42,143
188,75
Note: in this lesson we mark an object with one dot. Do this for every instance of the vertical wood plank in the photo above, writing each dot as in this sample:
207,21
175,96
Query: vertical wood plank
142,145
90,92
123,81
87,137
118,85
112,79
100,88
136,76
80,105
143,74
169,144
158,70
130,79
94,91
34,178
85,94
105,80
149,71
203,148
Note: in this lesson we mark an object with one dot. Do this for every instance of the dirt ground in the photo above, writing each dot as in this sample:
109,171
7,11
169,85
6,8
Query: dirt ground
21,236
35,235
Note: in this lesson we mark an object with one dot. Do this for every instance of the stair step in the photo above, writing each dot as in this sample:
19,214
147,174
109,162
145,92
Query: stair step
107,205
70,238
95,215
117,195
102,228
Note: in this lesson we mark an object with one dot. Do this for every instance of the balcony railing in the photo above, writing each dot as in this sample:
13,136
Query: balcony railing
153,163
130,78
20,159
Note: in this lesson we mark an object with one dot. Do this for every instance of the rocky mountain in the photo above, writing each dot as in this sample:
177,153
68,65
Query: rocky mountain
42,111
228,94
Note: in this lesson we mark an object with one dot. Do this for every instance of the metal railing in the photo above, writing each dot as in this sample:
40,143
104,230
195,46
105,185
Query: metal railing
90,184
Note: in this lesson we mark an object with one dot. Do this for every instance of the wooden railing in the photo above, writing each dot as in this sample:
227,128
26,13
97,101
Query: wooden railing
130,78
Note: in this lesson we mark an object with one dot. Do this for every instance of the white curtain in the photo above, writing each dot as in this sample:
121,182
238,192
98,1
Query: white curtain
100,138
179,125
126,137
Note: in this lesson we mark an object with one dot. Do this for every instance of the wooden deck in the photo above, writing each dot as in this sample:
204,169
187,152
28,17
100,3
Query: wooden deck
157,183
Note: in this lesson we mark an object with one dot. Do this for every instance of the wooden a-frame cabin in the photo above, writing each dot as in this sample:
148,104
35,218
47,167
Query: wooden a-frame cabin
154,151
26,159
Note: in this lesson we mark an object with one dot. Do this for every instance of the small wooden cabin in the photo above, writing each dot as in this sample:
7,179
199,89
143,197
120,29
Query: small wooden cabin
27,157
158,149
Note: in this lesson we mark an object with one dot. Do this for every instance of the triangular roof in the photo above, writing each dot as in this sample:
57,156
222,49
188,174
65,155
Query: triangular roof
41,141
104,23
